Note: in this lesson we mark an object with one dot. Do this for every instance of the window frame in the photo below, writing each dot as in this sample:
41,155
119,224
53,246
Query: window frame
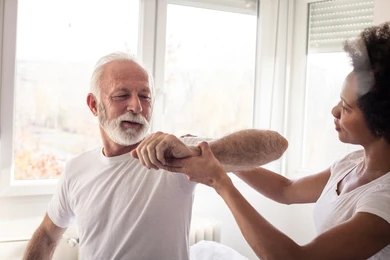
273,25
297,89
8,55
295,119
296,103
8,27
271,74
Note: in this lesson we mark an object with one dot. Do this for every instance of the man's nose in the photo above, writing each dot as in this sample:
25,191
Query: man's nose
134,104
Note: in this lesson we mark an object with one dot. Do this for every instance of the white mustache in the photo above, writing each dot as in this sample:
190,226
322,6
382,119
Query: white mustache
132,118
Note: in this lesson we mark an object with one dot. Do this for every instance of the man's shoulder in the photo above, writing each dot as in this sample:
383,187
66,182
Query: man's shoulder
87,156
78,165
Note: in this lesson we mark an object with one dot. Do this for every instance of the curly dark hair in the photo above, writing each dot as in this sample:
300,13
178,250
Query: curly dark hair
370,55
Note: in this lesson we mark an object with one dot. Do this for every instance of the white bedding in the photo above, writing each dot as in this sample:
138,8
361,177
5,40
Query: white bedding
210,250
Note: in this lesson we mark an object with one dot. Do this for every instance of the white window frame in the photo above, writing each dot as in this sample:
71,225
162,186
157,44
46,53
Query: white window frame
270,74
272,55
272,81
8,10
295,119
297,88
8,54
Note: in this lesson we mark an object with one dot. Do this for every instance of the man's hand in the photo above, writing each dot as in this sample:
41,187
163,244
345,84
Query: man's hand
158,149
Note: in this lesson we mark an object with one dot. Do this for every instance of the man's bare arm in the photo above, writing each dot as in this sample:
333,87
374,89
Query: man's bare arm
43,241
241,150
248,148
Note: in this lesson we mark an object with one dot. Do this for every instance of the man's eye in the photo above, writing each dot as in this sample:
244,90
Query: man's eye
119,97
147,98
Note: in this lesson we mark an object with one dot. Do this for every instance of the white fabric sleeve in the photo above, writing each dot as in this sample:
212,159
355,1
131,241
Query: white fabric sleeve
195,140
377,202
59,210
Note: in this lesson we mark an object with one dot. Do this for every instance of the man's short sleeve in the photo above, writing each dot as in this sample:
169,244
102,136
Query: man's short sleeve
59,210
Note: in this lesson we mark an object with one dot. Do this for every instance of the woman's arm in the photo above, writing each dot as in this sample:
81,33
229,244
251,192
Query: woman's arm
283,190
358,238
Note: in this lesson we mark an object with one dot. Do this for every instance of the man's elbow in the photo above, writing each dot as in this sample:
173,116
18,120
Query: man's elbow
273,146
281,145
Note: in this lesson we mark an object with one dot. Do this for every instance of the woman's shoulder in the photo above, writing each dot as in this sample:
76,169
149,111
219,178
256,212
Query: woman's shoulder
352,156
347,161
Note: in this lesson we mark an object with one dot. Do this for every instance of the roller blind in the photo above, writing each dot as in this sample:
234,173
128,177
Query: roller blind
332,22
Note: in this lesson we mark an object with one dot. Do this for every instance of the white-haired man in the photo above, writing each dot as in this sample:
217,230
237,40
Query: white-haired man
124,210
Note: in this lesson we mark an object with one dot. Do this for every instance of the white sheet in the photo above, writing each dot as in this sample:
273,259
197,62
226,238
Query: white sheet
210,250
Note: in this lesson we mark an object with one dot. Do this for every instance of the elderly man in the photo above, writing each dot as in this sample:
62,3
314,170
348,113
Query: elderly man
124,210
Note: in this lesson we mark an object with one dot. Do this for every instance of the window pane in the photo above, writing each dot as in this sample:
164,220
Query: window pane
209,72
58,43
330,24
325,75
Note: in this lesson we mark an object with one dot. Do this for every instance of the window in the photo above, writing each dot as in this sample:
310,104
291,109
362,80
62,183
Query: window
209,69
57,44
329,24
205,74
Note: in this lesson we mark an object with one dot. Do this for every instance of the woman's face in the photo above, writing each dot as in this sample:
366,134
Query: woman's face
348,118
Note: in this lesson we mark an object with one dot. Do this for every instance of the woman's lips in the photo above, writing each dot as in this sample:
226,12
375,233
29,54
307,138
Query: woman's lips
336,126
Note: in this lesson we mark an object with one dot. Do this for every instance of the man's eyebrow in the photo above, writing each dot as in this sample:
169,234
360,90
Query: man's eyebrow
145,90
121,90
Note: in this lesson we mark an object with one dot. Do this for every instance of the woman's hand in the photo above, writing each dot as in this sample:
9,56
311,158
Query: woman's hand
204,168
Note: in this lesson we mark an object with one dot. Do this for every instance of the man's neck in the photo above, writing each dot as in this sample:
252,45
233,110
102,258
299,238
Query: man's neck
113,149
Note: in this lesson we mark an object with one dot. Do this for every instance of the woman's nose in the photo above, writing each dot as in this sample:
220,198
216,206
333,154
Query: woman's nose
336,110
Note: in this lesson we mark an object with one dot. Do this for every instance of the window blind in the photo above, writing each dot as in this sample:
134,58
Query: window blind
332,22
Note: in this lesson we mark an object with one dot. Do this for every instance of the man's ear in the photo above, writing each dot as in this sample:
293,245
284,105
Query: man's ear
92,103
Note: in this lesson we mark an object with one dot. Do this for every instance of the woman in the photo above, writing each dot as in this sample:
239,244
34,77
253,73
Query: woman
352,196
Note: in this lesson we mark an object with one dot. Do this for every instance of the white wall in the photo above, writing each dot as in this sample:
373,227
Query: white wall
19,216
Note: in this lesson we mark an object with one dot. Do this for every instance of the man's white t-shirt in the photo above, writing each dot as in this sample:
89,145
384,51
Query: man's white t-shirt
332,209
122,209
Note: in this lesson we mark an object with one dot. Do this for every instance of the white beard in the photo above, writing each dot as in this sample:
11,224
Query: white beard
121,136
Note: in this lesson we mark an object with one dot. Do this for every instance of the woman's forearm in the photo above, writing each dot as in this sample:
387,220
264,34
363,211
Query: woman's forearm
268,183
266,241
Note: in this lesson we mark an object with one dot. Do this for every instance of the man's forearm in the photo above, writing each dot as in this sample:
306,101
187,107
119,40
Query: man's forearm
40,247
239,151
248,148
